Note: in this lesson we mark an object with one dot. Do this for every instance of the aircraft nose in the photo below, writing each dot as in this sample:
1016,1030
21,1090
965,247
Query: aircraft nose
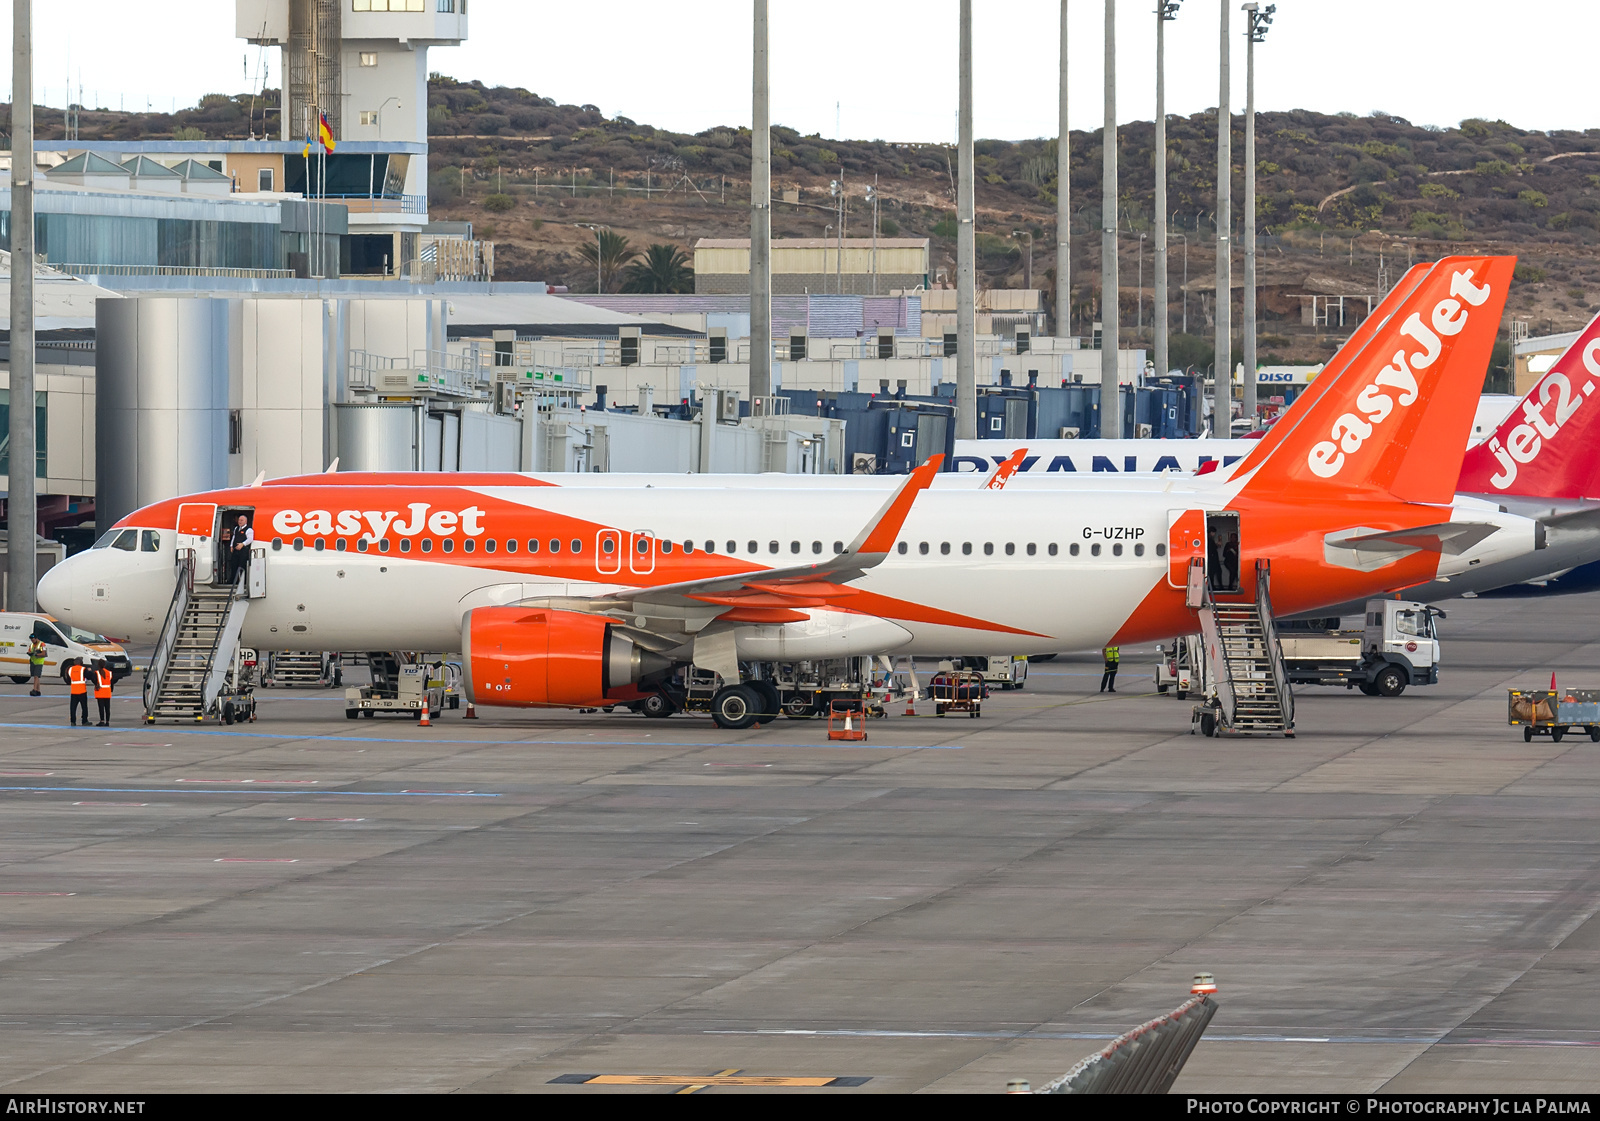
57,588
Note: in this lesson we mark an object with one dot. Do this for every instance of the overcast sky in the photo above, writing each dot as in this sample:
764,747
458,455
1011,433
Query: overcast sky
872,69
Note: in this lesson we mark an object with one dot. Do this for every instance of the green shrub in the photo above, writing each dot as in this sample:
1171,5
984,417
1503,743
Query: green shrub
1529,274
499,203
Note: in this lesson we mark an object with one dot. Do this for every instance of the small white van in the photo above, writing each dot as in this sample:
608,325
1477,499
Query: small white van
62,642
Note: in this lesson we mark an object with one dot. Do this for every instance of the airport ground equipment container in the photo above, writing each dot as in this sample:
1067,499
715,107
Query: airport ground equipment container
1554,712
1180,667
312,669
402,689
957,690
1397,646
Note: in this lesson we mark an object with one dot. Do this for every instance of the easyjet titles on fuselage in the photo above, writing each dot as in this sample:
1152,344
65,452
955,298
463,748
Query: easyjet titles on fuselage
322,523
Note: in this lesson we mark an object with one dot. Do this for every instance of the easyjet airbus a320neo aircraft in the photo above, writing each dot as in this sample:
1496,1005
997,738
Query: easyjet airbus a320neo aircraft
590,595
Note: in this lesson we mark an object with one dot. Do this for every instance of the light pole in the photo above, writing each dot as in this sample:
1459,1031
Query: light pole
1110,292
1185,239
1139,317
1256,23
398,104
1222,380
599,281
760,214
872,197
966,250
22,504
1166,10
1063,198
1027,264
837,190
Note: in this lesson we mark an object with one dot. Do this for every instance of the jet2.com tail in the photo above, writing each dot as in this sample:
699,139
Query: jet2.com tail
1396,419
1549,445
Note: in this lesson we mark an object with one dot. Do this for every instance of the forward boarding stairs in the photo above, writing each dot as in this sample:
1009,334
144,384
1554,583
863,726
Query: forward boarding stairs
199,641
1244,664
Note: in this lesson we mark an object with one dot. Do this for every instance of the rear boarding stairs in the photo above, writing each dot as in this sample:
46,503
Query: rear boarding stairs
1249,685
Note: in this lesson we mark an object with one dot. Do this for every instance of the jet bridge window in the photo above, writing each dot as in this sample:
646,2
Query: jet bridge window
149,541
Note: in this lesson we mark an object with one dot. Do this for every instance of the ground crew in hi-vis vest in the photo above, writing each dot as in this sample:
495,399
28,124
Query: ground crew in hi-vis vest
37,652
102,693
1108,679
78,688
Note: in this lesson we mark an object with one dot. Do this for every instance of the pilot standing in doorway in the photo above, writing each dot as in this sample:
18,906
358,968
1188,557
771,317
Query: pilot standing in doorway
239,549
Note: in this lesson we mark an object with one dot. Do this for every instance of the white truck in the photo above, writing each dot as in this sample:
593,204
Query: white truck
1398,646
1000,671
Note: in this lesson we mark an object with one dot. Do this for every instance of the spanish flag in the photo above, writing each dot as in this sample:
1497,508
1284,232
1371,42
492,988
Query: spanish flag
324,133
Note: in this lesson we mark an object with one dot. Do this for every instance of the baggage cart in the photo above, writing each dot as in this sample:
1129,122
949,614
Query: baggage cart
1554,712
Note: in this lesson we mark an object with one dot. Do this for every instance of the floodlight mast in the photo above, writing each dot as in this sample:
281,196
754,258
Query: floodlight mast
22,501
1258,19
1166,10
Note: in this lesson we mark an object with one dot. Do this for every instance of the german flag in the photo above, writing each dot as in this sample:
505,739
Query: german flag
324,133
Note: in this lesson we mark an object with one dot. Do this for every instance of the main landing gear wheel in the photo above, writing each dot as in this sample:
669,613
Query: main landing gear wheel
735,707
657,706
1390,682
770,708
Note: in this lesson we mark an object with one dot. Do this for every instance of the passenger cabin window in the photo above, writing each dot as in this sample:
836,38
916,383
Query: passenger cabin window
300,543
607,546
944,548
923,548
901,548
688,546
277,544
555,546
1032,548
361,545
838,546
319,544
405,544
754,548
988,548
966,548
1116,550
448,545
1011,549
1138,550
533,544
1161,549
467,546
666,547
383,546
427,544
511,544
816,547
1094,550
1052,548
489,544
577,546
1073,549
341,545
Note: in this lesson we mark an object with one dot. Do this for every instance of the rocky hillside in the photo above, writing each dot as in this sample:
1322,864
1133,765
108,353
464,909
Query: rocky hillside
1343,199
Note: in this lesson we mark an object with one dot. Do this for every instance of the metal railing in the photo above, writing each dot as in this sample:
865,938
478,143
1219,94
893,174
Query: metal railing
1146,1060
77,269
161,659
362,202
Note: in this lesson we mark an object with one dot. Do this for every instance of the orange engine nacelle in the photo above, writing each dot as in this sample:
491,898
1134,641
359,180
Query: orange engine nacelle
531,657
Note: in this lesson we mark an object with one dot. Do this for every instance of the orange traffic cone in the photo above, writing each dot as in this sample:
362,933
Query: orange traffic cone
1552,681
911,704
472,713
426,705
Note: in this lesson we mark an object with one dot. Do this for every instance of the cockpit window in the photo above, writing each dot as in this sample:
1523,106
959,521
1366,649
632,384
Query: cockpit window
149,541
106,539
127,540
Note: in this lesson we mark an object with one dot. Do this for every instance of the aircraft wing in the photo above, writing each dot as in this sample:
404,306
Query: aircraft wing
772,595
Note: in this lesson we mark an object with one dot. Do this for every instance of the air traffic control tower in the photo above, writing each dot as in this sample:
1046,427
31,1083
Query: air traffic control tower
364,65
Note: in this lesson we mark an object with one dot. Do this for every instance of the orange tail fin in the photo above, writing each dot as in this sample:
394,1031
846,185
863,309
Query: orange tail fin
1397,418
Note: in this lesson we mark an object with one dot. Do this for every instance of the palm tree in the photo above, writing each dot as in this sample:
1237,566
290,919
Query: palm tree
612,251
663,268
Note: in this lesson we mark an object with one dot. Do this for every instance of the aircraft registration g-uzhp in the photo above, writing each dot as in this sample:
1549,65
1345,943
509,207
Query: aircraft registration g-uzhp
592,594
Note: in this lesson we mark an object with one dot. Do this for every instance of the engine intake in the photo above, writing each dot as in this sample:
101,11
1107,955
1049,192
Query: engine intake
535,657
